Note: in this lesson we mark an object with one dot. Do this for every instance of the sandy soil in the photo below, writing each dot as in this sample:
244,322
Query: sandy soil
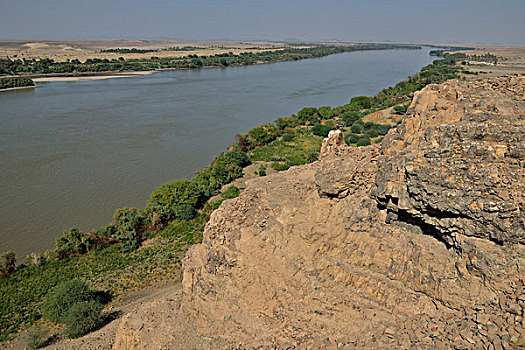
92,77
84,49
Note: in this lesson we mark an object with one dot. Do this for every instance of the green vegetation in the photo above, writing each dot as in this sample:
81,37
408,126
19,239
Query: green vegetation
114,259
401,109
47,65
487,58
262,170
231,192
83,317
321,130
37,337
73,303
59,301
14,82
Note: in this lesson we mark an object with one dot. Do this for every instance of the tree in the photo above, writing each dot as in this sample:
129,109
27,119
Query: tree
309,115
321,130
71,243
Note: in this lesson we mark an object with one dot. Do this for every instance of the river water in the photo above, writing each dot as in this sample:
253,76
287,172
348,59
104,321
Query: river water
73,152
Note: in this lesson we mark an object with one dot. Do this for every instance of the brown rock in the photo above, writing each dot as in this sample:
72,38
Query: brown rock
376,244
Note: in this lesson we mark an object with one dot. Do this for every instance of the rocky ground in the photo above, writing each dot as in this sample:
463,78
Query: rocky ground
415,243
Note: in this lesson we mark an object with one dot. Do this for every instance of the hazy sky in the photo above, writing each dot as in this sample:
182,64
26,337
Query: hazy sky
467,21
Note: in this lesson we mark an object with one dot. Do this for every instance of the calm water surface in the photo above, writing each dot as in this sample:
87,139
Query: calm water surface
72,152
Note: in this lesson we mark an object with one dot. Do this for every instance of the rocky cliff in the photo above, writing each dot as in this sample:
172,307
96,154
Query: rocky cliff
416,243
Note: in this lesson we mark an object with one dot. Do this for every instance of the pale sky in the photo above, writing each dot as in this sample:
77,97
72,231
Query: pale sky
465,21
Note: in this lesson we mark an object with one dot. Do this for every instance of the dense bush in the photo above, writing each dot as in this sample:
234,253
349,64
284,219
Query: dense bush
309,115
350,117
288,137
351,138
356,128
83,317
239,159
402,109
326,112
376,129
362,102
364,141
58,301
72,242
7,263
263,134
184,212
321,130
128,223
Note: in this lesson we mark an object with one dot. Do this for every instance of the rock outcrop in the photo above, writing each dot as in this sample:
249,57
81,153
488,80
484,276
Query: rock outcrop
417,243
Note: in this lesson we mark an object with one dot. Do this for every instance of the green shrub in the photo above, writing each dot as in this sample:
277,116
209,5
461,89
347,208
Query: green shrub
357,128
372,133
262,170
37,337
279,166
326,112
231,192
309,115
321,130
129,223
263,134
58,301
175,193
379,140
184,212
240,159
7,263
364,141
402,109
351,138
351,117
70,243
362,102
288,137
83,317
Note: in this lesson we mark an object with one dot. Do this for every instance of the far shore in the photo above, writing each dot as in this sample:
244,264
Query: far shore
19,88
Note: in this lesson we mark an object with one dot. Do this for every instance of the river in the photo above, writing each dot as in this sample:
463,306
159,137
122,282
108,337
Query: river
73,152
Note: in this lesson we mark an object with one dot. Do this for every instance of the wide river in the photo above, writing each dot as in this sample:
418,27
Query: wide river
73,152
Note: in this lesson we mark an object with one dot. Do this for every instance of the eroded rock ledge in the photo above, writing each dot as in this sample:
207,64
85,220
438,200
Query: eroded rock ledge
417,243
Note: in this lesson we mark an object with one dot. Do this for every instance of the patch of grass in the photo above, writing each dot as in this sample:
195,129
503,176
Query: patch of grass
295,152
111,270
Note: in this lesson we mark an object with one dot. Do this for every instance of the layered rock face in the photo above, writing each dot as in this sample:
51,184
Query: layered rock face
417,243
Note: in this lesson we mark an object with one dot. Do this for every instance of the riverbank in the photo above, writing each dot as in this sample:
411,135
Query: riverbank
19,88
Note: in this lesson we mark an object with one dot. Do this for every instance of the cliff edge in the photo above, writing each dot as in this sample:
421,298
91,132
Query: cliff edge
414,243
